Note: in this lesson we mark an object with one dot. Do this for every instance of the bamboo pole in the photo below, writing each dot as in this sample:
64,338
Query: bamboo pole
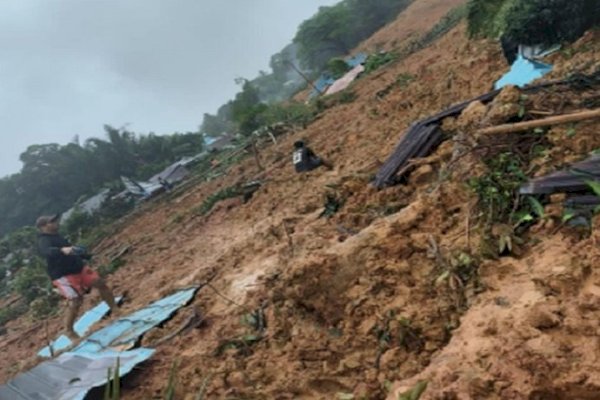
539,123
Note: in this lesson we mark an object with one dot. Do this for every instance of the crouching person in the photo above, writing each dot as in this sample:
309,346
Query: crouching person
68,271
305,159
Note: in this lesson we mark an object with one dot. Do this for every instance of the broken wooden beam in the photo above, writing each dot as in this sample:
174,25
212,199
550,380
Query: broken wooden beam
541,123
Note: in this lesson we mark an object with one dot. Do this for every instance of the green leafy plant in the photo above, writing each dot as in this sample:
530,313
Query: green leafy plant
537,207
337,67
346,96
415,393
497,189
111,267
112,389
172,382
376,61
210,201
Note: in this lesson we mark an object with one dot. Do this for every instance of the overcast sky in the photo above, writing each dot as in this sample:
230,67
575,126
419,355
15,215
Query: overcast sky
69,66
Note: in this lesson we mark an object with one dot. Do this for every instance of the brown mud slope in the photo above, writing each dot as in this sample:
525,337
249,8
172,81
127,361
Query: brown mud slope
534,332
416,20
392,287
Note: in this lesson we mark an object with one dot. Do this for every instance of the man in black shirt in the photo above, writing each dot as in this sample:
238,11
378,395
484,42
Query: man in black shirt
69,271
305,159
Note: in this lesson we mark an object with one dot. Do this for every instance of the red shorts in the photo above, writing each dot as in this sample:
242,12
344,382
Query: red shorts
76,285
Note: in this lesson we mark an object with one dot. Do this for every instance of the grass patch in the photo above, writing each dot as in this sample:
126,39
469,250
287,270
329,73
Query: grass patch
246,190
111,267
376,61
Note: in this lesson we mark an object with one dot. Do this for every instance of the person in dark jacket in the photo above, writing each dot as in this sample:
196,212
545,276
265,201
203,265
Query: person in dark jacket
69,271
305,159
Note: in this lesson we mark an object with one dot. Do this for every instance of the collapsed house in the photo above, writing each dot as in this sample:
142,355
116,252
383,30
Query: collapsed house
89,206
171,175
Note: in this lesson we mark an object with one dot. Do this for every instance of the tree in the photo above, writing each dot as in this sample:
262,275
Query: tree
247,109
335,30
549,22
53,177
532,22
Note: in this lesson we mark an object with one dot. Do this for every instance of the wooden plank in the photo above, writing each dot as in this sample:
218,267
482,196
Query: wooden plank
541,123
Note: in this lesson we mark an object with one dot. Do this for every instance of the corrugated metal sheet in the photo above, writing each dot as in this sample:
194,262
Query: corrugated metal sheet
81,327
124,332
70,376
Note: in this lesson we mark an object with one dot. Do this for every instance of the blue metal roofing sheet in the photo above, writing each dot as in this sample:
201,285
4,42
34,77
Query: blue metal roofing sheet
70,376
124,332
82,326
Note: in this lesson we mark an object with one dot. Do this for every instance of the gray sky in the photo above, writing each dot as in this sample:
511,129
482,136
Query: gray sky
69,66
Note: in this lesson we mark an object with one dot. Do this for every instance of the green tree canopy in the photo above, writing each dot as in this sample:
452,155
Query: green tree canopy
532,22
336,30
53,177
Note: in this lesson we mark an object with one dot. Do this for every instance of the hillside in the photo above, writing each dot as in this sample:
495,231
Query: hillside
353,304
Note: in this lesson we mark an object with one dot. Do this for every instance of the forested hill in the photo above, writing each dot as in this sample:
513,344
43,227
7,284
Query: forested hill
332,32
54,176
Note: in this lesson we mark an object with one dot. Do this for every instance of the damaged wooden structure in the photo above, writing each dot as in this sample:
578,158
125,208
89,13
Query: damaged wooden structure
575,181
423,137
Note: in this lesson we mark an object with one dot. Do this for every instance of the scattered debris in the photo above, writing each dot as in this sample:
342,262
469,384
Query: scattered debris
572,180
424,136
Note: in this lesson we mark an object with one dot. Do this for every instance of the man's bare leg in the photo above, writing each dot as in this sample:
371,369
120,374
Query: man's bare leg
72,310
107,295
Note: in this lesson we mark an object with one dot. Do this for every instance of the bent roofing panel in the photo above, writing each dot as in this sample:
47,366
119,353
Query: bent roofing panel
70,376
81,327
124,332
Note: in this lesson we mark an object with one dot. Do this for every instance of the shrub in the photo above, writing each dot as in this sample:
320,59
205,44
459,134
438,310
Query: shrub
337,67
376,61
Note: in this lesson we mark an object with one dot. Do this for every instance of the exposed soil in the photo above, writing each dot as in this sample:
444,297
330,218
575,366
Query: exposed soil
358,301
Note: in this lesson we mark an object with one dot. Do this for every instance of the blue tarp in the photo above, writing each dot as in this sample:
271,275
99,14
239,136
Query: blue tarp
82,326
70,376
522,72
